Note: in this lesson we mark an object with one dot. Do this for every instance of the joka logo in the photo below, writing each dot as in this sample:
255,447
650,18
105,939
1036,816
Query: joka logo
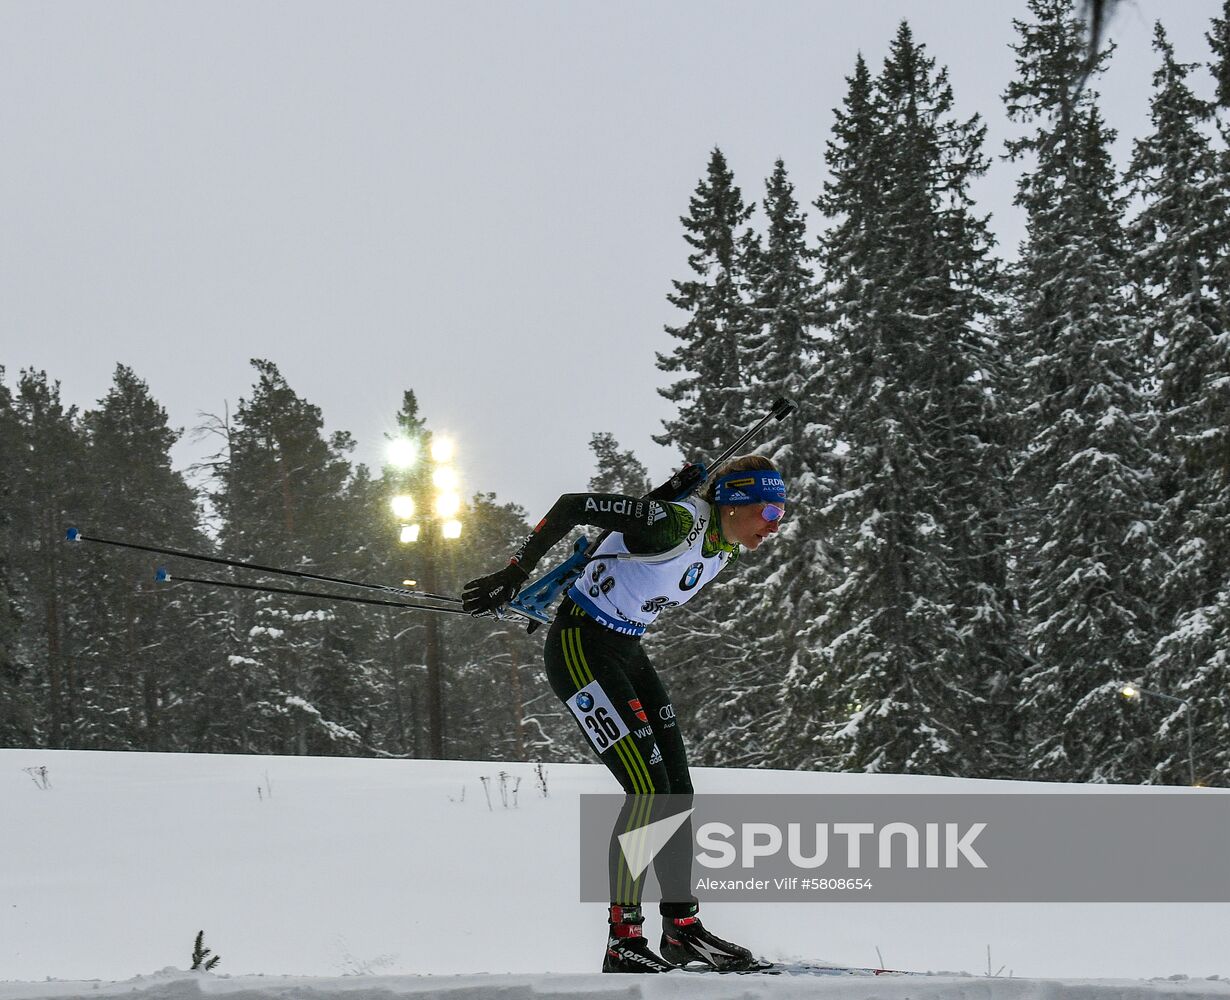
692,577
698,529
641,845
585,701
635,705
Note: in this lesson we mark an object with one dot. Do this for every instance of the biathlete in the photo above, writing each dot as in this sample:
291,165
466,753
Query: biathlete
659,555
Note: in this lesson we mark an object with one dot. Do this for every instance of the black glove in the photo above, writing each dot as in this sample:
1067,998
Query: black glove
680,485
484,595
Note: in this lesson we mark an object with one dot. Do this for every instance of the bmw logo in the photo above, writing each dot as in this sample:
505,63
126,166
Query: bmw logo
585,701
692,577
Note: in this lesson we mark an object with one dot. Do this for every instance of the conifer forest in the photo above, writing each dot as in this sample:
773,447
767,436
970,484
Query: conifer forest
1009,480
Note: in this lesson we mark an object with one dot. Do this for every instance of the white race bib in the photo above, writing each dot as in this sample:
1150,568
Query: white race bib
597,716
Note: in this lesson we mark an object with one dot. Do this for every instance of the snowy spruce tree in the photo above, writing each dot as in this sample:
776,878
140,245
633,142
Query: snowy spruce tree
47,494
813,702
1180,239
1219,41
616,471
282,685
149,643
913,653
710,391
1084,473
774,590
17,704
711,397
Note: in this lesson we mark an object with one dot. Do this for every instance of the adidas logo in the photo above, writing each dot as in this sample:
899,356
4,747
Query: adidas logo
656,756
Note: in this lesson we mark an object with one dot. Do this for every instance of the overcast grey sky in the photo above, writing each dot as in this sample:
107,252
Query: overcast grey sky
476,201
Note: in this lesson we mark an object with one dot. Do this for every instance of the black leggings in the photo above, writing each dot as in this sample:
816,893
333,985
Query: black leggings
649,761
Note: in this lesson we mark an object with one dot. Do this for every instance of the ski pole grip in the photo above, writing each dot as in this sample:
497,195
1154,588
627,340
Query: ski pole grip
72,535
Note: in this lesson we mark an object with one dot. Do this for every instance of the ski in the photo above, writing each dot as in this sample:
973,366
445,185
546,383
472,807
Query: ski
801,969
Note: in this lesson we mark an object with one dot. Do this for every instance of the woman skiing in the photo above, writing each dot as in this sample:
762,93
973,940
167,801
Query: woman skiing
659,554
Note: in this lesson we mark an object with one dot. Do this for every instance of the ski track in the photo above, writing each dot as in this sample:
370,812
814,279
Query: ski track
174,984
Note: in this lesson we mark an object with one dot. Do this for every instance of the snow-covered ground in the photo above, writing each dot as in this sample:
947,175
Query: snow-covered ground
391,878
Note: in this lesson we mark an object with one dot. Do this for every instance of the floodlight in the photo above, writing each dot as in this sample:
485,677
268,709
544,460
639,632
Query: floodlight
442,449
451,529
402,452
403,507
409,532
444,478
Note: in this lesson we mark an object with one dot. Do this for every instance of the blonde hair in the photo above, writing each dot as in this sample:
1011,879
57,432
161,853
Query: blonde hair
744,463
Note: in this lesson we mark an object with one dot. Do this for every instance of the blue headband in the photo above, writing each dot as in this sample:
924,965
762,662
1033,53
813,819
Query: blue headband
752,486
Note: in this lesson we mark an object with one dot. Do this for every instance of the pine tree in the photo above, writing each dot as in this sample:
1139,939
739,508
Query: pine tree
712,400
616,471
812,702
710,394
17,704
1084,473
280,495
1219,41
1180,241
910,646
775,590
147,646
47,580
201,960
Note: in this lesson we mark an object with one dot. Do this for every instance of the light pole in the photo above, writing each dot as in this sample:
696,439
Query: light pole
427,519
1132,692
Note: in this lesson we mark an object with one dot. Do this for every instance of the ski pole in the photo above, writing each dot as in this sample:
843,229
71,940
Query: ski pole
75,535
780,410
162,576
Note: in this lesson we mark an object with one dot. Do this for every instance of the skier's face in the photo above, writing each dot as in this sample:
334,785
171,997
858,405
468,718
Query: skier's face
748,525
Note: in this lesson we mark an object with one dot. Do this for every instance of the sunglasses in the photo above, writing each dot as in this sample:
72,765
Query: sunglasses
771,512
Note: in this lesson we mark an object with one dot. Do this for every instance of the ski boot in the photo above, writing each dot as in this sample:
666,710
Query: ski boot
685,941
626,947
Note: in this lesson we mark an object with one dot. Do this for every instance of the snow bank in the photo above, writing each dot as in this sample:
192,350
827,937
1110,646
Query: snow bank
172,984
374,869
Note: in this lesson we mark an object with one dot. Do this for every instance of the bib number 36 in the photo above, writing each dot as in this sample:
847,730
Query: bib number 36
597,716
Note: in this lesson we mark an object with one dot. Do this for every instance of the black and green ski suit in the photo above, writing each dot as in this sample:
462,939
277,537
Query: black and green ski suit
649,759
